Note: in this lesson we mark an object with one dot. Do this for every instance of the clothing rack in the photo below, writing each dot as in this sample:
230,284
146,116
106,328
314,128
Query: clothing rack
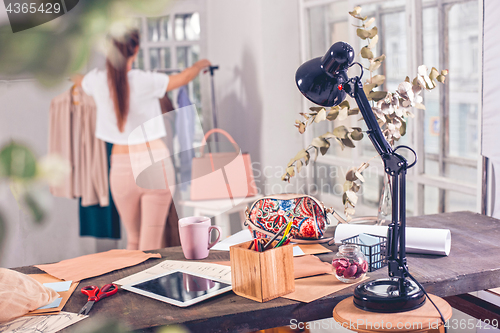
7,81
167,70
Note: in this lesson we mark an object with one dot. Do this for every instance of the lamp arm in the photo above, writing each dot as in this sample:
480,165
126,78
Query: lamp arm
374,132
395,165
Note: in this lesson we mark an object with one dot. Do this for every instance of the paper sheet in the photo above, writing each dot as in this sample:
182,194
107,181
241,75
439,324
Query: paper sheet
303,266
312,288
418,240
245,236
59,286
46,278
297,251
52,305
220,272
495,290
238,238
96,264
314,248
41,324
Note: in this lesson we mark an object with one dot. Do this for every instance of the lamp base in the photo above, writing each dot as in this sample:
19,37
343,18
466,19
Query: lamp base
384,295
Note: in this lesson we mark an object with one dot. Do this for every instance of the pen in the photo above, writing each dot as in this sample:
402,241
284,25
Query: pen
286,235
255,241
276,236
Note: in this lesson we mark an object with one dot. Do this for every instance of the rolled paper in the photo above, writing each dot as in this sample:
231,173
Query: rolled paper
418,240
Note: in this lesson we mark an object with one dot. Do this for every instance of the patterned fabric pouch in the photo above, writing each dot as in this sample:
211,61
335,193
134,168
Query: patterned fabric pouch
268,214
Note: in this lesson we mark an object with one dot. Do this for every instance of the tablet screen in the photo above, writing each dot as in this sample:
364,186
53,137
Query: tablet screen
181,286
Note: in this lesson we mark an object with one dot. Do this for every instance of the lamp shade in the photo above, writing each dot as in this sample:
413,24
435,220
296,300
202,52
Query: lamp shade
318,79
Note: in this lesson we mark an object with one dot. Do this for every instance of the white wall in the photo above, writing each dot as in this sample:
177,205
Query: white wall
256,44
24,110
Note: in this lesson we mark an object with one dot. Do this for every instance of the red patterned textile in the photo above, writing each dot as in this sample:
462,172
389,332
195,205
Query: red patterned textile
309,218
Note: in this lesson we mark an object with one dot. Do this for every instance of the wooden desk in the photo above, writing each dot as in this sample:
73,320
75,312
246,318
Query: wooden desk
473,264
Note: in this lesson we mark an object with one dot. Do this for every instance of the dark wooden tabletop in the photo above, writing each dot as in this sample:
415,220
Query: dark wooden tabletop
473,264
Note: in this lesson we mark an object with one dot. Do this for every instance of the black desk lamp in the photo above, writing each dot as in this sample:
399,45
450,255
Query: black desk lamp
324,81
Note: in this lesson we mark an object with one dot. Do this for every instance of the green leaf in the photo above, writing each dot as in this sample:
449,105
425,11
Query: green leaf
332,114
350,175
349,211
359,176
377,95
355,11
301,126
340,132
34,207
369,22
285,177
301,154
366,53
348,143
324,150
347,185
344,198
320,116
353,111
374,66
402,129
17,161
380,58
319,142
367,88
373,42
342,146
316,108
363,167
364,34
352,197
298,165
327,135
357,134
441,78
344,104
378,80
434,73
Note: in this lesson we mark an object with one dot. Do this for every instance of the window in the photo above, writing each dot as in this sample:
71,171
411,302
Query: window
445,135
171,42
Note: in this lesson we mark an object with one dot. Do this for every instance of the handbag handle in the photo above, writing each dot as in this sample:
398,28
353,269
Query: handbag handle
221,131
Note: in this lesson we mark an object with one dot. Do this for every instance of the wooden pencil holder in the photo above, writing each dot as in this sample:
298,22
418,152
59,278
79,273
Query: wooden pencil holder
262,276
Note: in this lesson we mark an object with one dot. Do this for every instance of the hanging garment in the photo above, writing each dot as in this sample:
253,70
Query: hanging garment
71,135
97,221
184,125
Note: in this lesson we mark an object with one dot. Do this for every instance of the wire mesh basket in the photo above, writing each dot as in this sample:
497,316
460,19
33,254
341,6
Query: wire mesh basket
376,252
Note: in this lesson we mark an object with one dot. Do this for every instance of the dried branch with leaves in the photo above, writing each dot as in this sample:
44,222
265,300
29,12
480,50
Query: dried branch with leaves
390,108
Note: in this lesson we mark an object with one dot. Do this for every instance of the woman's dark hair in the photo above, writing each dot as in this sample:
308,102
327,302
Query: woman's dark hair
116,65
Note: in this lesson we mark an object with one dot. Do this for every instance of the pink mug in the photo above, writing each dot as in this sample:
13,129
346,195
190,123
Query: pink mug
195,234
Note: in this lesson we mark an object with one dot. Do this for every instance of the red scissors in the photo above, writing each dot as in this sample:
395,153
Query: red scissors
94,295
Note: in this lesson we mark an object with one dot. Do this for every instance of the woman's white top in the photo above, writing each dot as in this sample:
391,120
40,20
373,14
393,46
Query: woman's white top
146,88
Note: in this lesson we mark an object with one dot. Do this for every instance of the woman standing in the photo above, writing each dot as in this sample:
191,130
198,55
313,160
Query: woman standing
127,98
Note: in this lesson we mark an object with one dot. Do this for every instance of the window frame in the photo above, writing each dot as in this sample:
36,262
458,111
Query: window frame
179,8
416,175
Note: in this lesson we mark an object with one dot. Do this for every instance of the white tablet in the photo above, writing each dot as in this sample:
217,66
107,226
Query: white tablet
179,287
